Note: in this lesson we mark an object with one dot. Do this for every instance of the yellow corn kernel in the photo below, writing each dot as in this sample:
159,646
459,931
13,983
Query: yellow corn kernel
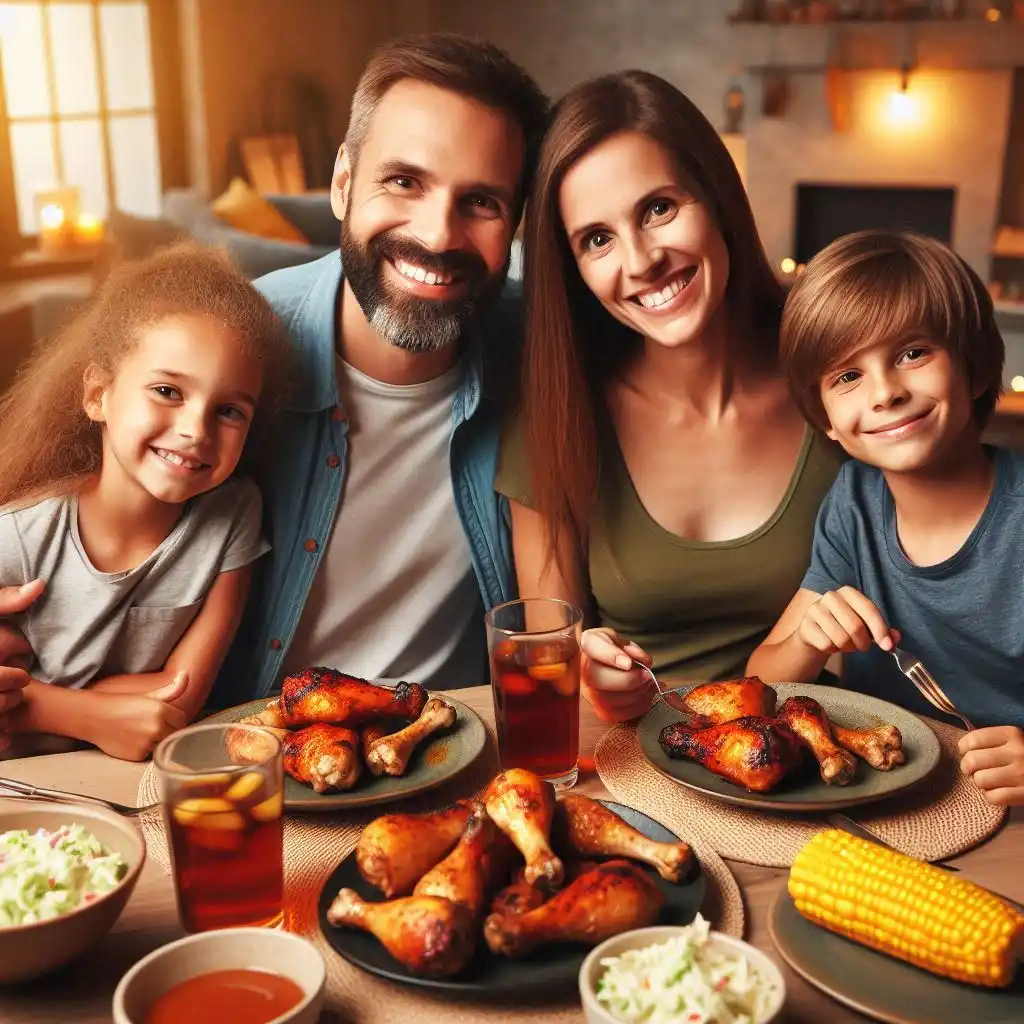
906,908
244,786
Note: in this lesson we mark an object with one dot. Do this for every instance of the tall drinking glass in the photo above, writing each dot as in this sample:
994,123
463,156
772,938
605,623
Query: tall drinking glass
534,649
222,791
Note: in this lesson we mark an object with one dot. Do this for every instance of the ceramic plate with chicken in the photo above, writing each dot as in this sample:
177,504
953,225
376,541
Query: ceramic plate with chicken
350,743
790,746
504,894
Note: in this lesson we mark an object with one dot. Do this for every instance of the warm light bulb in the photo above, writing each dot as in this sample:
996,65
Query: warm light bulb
787,266
993,14
901,107
1017,383
88,221
51,216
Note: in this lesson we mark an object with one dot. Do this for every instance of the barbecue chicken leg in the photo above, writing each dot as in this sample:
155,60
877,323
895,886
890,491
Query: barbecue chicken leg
752,752
613,897
881,747
522,805
806,717
585,827
323,756
428,934
324,695
395,851
471,872
716,703
390,754
520,896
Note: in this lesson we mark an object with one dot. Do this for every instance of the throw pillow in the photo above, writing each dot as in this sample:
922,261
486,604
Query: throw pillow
248,211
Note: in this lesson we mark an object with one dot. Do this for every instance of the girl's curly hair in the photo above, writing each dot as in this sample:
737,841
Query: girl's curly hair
48,445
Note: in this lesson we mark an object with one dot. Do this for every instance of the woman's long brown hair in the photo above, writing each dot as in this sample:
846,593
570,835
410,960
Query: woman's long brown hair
48,445
572,344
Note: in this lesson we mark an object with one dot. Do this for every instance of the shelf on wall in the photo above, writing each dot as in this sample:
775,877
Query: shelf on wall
866,46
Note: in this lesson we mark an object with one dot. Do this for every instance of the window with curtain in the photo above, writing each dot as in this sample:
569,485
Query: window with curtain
79,104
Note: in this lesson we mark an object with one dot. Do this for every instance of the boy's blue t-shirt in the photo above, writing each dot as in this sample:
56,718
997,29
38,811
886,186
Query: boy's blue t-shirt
964,618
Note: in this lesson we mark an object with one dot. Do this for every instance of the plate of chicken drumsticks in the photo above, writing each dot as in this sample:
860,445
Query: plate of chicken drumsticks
789,747
348,742
504,894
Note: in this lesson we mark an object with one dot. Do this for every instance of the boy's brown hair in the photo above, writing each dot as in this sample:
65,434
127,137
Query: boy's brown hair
870,286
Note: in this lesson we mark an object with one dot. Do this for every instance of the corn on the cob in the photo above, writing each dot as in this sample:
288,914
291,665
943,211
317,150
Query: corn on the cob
906,909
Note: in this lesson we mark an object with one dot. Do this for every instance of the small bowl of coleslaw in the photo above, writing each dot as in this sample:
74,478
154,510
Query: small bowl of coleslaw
66,873
679,974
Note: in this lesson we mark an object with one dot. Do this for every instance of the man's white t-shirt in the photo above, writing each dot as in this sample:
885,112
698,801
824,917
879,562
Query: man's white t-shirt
395,595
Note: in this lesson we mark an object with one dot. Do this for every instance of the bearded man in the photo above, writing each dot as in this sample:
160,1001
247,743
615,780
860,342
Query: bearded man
388,540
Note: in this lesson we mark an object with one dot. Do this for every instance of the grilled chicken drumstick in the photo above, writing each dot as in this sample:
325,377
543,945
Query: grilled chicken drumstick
323,756
324,695
522,805
752,752
585,827
390,754
613,897
470,873
881,747
396,850
428,934
716,703
806,717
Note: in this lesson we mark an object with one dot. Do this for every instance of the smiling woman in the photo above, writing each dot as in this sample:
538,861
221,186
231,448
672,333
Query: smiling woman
658,472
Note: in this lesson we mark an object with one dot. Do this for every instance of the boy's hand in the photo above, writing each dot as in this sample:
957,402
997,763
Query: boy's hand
612,685
842,621
130,726
993,759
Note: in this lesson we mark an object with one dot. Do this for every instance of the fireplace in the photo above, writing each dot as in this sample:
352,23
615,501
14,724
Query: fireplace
825,212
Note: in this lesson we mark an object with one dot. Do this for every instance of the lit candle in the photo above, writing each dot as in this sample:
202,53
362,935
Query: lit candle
51,226
88,229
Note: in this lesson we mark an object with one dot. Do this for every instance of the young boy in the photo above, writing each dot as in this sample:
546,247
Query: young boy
891,347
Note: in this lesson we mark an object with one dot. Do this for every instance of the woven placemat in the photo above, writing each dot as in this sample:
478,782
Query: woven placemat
942,817
315,843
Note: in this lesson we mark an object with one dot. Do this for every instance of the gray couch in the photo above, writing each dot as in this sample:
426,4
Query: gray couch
186,214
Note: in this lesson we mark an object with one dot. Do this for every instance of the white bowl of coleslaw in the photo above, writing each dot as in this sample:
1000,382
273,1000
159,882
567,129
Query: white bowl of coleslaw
680,974
66,872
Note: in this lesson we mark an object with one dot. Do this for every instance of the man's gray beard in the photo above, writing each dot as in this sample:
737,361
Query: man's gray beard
417,328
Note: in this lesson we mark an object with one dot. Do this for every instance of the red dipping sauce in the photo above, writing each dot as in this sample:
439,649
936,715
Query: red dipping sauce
228,997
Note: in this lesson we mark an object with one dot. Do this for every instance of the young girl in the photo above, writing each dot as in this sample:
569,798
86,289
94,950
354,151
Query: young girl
118,445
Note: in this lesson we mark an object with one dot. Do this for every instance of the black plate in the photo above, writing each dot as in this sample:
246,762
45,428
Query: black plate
486,973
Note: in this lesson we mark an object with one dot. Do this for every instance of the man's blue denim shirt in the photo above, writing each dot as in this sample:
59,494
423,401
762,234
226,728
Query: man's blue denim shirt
303,474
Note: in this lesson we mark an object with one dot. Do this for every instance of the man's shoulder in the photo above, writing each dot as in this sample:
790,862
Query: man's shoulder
287,289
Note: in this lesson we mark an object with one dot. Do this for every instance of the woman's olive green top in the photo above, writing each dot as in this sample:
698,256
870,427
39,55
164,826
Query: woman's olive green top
698,608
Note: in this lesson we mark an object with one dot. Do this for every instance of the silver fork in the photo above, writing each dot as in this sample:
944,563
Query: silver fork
665,696
912,668
18,788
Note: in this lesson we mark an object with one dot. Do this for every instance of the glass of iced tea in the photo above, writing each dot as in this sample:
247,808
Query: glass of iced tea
222,792
534,648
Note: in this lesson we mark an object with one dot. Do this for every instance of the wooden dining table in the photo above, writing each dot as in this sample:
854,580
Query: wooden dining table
82,991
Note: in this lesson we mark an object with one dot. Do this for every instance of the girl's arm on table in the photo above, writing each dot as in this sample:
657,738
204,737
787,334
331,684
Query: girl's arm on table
200,651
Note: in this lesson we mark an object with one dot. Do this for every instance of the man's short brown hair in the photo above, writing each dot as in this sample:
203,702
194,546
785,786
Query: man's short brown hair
873,286
473,68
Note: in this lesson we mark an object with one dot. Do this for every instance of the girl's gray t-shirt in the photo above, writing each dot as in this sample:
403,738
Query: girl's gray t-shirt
90,624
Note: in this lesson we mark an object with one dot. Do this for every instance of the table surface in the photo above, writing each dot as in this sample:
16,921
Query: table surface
82,991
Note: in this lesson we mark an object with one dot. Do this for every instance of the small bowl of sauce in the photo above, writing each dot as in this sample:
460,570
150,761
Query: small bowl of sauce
231,976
